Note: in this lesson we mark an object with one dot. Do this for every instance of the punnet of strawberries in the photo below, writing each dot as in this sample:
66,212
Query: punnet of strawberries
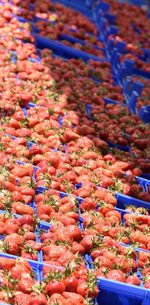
74,161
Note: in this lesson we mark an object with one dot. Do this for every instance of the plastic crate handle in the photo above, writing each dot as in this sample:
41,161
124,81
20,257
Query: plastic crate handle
127,87
133,102
122,73
115,60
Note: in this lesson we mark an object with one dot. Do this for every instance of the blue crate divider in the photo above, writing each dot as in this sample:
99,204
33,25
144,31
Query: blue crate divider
121,70
25,112
73,39
87,261
130,87
60,120
82,42
121,147
101,8
31,105
89,3
63,50
132,101
111,18
42,226
42,189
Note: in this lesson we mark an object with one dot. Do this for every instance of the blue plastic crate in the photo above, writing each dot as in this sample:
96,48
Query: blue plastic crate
33,175
63,50
36,267
131,90
76,6
69,37
121,294
44,226
111,145
73,39
105,31
132,200
122,204
88,107
39,253
123,201
128,65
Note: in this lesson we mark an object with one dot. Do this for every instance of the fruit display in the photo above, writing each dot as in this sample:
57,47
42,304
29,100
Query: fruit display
74,161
